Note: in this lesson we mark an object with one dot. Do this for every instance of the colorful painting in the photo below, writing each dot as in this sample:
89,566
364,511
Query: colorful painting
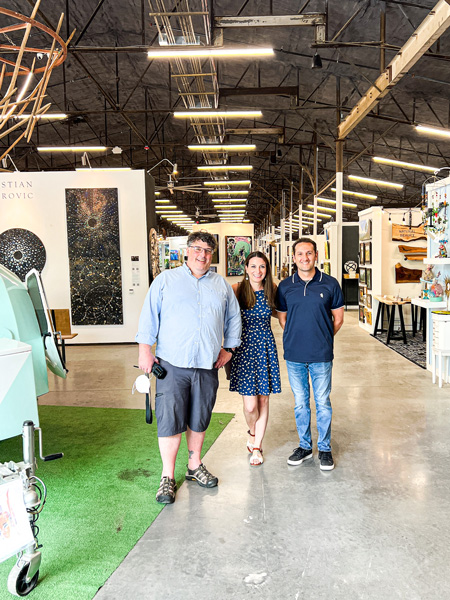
174,255
368,253
94,256
361,314
362,275
20,251
369,278
327,268
238,248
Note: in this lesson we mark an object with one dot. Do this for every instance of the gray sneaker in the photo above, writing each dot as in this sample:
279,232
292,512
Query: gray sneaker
299,455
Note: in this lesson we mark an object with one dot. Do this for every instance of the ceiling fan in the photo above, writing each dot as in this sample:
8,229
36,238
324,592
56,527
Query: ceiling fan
196,188
198,216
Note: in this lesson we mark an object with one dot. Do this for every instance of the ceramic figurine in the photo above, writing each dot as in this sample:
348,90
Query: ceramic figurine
428,274
442,248
436,290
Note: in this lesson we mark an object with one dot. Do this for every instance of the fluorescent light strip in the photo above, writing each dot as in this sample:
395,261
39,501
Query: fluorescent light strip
162,201
433,130
403,165
357,194
379,182
222,206
157,193
71,148
225,168
174,212
351,204
194,113
46,115
226,200
225,192
333,210
311,212
210,53
228,182
221,147
168,207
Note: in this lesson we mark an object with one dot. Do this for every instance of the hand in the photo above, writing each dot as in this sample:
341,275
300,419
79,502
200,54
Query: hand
146,358
222,359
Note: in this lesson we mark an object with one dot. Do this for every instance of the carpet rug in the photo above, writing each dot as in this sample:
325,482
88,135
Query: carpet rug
101,494
414,350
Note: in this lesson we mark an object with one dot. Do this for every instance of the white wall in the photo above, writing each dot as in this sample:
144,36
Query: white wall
36,201
224,229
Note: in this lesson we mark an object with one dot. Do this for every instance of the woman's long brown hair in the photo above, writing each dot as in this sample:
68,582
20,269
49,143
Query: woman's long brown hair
245,294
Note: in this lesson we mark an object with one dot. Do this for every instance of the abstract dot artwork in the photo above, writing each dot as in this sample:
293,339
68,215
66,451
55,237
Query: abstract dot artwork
20,251
94,256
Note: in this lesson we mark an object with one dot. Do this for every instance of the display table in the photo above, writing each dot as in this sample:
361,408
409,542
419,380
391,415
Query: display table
390,302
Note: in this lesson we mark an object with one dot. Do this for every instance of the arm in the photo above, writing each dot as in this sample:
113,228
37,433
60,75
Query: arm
274,311
149,326
282,317
338,319
231,330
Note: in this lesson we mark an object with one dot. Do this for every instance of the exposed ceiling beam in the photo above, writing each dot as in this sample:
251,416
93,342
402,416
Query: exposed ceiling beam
433,26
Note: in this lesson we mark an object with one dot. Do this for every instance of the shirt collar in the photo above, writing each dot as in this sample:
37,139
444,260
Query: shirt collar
189,272
317,277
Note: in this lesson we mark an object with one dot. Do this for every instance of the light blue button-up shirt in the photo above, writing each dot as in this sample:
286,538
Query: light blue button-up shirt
190,318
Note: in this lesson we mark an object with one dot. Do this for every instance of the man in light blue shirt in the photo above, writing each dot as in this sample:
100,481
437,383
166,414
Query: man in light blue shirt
193,316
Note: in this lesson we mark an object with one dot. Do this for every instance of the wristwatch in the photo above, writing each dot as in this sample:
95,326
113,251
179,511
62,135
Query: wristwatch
229,350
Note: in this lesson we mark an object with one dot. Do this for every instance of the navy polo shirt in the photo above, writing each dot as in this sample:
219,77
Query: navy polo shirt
308,335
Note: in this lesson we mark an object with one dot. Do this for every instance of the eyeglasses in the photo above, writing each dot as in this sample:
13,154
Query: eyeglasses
199,249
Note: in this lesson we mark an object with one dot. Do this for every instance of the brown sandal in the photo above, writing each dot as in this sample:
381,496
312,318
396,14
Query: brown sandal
258,458
249,442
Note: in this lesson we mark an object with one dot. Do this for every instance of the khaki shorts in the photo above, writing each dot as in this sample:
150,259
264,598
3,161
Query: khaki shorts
185,398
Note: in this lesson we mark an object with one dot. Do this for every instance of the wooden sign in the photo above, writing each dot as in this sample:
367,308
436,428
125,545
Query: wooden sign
404,275
403,233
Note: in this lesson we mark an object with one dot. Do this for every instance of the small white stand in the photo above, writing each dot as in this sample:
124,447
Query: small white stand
441,346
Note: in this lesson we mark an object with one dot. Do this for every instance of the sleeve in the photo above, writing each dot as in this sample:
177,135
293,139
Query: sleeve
280,300
232,323
338,298
149,320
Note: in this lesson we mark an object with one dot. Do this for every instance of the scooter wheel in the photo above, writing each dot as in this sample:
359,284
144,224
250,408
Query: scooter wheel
17,581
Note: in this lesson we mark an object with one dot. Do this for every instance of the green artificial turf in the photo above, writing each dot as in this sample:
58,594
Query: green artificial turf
101,495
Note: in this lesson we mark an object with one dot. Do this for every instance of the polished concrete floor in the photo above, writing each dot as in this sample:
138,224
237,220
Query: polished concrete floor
377,527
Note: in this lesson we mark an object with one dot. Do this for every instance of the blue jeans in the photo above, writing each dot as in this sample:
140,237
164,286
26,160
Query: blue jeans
321,382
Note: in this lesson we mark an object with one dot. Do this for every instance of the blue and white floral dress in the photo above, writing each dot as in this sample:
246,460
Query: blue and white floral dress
255,370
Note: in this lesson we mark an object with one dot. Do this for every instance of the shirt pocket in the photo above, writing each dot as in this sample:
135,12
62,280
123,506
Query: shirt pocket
214,302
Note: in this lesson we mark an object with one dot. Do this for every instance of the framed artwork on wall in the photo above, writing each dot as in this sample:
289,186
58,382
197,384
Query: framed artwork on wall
361,314
362,275
215,256
369,300
365,229
369,278
368,253
238,247
362,254
361,295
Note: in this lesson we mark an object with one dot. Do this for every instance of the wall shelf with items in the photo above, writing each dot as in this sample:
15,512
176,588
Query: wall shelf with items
436,222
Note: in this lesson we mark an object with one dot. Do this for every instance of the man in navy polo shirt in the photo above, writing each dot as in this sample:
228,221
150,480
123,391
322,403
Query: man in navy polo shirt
310,308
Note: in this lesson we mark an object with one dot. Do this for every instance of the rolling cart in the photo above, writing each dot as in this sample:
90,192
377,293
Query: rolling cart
27,348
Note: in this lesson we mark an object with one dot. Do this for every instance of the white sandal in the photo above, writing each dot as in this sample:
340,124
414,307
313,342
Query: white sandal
257,457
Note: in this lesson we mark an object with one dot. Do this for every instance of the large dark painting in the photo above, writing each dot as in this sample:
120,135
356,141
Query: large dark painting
94,256
20,251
